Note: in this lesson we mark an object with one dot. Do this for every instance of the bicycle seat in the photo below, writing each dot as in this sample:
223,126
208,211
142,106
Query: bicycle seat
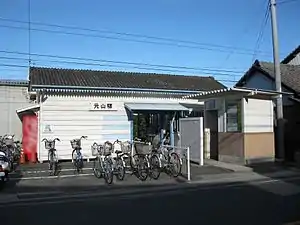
118,151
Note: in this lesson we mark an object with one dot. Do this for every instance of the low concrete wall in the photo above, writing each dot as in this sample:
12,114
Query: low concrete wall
246,148
259,147
231,147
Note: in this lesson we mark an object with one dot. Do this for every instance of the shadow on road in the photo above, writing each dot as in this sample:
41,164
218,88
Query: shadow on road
271,167
14,178
85,199
238,203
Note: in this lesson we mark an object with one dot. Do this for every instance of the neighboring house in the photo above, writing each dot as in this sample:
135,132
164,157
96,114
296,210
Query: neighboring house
261,76
103,104
13,95
293,58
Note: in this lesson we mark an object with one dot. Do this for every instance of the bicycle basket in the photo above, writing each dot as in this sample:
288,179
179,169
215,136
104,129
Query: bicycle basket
107,148
49,145
75,143
95,149
8,141
126,147
142,148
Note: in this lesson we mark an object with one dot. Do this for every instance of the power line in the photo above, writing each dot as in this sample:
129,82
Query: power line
233,51
29,34
25,66
261,31
120,62
287,1
130,40
110,65
174,41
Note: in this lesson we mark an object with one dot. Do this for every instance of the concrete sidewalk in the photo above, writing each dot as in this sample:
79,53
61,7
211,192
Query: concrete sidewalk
228,166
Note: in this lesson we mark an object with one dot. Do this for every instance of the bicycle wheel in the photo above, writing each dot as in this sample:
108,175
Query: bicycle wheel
97,169
108,171
133,159
77,161
142,167
50,162
175,164
74,157
79,164
120,168
54,168
155,167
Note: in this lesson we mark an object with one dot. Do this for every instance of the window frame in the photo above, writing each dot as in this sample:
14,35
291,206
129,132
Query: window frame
233,119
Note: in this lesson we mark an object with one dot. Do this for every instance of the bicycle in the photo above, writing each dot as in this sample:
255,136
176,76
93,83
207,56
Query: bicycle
164,158
141,166
119,164
8,146
77,157
103,165
52,155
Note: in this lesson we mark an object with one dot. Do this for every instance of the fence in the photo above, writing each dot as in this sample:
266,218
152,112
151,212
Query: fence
184,154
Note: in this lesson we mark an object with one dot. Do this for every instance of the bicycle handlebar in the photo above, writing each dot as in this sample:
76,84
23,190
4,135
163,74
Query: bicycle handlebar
7,135
49,140
83,137
117,141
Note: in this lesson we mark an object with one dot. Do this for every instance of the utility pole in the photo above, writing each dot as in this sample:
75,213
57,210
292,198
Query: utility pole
279,105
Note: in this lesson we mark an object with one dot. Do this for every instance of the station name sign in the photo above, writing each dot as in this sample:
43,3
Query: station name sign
102,106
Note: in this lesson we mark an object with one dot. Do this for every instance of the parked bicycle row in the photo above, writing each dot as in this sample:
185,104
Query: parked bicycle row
10,152
144,159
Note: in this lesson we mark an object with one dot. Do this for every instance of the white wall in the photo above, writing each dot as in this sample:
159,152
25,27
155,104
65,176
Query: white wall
260,81
70,117
258,116
11,99
295,60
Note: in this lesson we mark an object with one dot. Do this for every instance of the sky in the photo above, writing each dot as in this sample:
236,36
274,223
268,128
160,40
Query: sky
208,38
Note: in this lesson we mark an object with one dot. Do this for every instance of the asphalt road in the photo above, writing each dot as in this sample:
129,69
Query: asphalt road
257,203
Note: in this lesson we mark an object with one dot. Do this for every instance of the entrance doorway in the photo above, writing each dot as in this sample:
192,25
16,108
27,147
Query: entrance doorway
211,122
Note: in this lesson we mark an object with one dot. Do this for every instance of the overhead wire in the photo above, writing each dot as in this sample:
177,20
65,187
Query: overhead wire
108,65
286,1
261,31
130,40
120,62
29,33
174,42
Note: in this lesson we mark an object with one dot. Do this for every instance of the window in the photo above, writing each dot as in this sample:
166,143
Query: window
233,116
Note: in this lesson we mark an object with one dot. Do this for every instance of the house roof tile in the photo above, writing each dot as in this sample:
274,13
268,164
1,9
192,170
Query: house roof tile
290,74
111,79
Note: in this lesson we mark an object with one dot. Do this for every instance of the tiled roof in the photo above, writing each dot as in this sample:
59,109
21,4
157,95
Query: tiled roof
291,55
109,79
12,82
290,74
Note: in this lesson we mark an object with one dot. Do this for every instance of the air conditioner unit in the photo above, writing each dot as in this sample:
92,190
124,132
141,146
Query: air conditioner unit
213,104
